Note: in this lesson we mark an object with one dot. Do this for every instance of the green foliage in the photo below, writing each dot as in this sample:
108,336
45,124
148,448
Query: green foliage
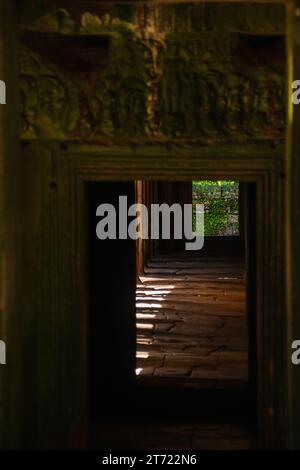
221,204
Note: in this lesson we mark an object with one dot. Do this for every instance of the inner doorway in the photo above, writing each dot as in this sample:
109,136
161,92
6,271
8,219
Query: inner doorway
191,306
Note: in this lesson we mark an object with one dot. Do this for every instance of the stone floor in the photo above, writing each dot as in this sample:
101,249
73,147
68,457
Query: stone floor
182,436
191,344
191,326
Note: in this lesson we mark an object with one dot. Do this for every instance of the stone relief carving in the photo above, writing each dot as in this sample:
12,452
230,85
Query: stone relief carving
211,97
189,86
49,100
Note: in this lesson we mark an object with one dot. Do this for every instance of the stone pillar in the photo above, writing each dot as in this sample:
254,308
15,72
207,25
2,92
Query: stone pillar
9,189
2,151
295,238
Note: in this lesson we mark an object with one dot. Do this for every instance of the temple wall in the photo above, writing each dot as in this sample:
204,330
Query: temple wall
160,72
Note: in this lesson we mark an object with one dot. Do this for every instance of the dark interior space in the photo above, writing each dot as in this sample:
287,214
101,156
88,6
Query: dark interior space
112,320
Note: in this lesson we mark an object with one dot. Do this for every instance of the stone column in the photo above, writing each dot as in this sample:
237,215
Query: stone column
295,238
2,152
9,206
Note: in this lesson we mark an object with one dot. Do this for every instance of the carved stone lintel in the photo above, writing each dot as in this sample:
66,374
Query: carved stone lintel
182,86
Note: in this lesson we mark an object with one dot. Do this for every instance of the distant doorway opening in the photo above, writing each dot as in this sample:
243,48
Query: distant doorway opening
192,326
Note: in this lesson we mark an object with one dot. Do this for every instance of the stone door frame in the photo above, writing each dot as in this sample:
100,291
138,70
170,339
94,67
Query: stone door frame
59,294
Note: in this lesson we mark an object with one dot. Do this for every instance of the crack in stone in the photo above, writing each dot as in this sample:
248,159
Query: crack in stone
219,348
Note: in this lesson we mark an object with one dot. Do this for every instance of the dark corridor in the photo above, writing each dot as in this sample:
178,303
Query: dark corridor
153,416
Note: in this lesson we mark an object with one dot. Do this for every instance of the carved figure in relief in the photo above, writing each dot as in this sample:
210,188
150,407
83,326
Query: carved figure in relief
53,99
276,105
29,106
206,124
233,104
221,103
100,106
53,106
246,94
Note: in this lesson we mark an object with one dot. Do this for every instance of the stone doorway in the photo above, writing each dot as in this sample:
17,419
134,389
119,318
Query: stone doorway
65,171
186,301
